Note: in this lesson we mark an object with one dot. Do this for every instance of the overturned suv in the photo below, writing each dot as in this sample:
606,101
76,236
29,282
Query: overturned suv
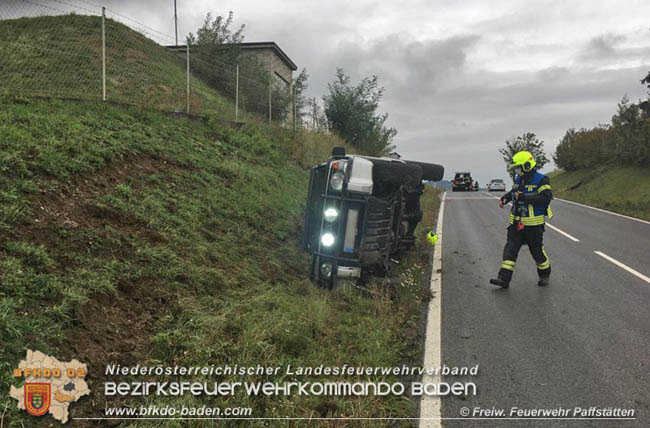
361,212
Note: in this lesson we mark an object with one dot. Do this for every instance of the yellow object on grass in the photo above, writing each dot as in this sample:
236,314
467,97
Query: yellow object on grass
432,238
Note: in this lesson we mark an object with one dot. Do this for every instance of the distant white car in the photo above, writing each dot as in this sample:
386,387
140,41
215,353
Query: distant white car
496,185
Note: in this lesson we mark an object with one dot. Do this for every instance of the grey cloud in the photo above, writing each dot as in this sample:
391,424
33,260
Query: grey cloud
602,47
409,69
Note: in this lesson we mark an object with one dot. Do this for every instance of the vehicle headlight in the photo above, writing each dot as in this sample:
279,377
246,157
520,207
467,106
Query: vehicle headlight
327,239
336,181
330,215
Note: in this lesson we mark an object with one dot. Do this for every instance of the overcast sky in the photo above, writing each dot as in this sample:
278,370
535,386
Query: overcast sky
460,77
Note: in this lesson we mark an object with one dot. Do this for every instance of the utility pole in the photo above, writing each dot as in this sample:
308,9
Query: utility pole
175,23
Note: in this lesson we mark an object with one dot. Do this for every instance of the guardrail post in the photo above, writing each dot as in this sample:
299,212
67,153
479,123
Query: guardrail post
269,102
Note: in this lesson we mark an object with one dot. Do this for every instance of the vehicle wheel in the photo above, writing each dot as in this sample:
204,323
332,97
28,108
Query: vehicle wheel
430,171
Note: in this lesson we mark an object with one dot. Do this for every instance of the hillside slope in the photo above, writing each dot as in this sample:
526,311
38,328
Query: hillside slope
136,237
61,56
625,190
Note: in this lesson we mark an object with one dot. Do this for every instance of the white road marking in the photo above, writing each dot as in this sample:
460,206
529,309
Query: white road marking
430,406
563,232
469,197
604,211
622,266
489,194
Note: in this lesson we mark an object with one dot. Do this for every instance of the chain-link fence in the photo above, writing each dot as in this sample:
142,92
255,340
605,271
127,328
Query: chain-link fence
80,50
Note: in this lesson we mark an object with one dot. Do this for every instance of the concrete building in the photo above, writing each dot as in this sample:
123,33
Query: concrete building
278,63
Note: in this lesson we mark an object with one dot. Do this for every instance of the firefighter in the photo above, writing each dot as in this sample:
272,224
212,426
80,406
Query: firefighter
531,197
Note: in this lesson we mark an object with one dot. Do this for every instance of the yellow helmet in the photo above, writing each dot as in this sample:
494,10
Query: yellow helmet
523,159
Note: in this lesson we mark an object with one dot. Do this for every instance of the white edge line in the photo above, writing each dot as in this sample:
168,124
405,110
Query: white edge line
563,233
430,406
604,211
622,266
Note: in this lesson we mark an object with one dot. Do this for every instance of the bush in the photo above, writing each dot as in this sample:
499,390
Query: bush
625,142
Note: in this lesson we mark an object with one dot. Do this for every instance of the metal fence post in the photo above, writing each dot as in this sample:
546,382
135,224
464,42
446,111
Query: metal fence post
187,55
269,102
294,108
237,94
103,53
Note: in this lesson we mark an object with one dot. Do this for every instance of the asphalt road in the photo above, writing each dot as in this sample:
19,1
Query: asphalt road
583,341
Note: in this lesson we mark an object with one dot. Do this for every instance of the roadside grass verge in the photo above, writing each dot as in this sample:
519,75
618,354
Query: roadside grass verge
135,237
625,190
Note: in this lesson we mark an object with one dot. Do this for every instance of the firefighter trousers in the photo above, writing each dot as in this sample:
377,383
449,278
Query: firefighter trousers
533,236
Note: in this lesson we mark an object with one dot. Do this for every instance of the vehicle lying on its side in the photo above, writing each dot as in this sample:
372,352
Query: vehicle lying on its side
462,181
496,184
361,211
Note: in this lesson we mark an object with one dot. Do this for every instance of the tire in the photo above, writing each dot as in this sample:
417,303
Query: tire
430,171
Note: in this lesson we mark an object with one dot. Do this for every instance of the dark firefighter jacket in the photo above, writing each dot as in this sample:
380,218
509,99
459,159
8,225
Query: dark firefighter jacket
536,197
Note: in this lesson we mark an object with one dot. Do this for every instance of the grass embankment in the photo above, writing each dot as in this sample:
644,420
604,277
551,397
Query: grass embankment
135,237
61,56
625,190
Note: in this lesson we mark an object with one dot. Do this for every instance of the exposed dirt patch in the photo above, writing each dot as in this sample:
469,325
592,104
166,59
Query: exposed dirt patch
110,328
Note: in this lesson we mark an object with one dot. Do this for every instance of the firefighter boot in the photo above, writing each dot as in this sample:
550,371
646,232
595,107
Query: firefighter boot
500,282
543,281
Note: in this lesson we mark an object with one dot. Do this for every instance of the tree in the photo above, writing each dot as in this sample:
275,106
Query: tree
215,55
351,113
631,136
299,87
528,142
646,80
215,52
564,156
217,32
316,119
645,105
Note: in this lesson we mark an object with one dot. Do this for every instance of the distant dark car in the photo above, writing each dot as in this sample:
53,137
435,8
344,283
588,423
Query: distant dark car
496,185
462,181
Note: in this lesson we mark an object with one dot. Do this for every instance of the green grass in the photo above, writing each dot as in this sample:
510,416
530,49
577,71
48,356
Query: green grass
134,237
625,190
61,56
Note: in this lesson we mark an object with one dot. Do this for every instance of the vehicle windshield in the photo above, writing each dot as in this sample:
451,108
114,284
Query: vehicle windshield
498,180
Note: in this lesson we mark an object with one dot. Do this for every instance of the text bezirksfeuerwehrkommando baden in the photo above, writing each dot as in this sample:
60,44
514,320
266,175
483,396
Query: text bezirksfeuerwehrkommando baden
259,370
336,388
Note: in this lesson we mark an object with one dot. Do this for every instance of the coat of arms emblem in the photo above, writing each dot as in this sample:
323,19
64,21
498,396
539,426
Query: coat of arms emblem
37,398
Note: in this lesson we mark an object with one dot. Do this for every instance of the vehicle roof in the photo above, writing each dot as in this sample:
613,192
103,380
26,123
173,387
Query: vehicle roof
463,172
